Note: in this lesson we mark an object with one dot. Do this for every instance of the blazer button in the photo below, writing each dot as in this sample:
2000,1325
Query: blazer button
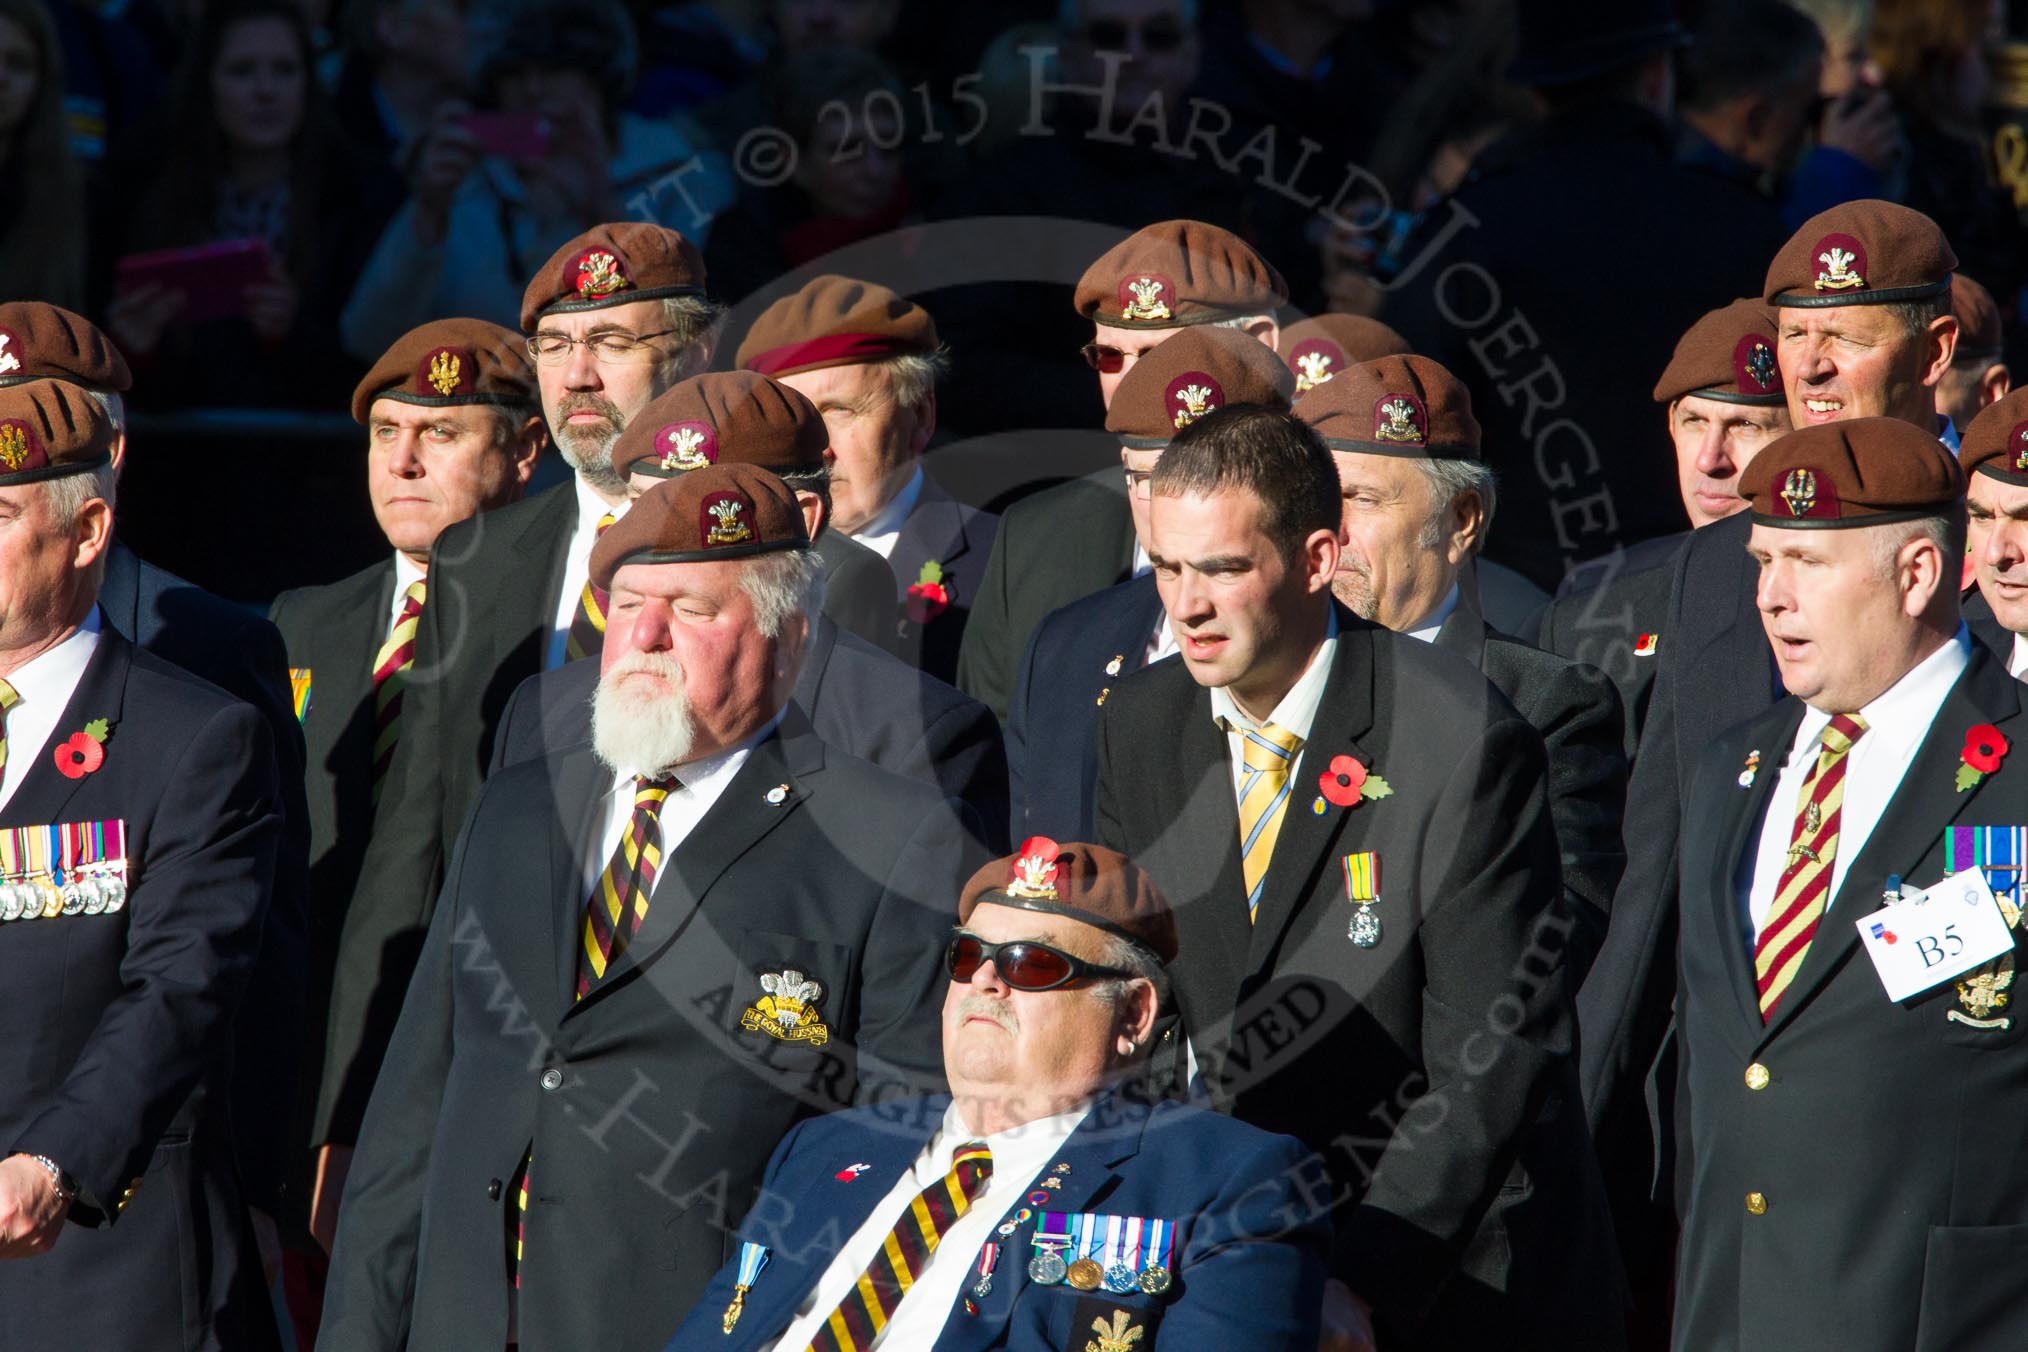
552,1078
1757,1076
492,1189
1756,1204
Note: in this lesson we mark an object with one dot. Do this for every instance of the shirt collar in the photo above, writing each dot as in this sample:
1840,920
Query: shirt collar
1949,435
1434,621
1298,709
886,523
2018,663
1911,702
57,671
407,572
590,507
1036,1140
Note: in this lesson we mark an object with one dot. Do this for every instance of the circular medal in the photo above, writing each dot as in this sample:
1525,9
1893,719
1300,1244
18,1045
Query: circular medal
1365,931
1119,1279
1046,1268
73,899
116,895
52,899
1084,1274
1154,1279
983,1289
27,901
10,904
94,896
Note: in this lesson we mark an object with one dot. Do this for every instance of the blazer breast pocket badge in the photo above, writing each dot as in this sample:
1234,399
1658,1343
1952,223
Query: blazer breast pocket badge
787,1011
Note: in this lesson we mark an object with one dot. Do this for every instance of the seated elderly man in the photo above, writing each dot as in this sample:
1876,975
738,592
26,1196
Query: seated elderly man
1043,1205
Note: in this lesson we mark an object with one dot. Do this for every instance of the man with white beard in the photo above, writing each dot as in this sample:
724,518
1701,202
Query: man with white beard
653,956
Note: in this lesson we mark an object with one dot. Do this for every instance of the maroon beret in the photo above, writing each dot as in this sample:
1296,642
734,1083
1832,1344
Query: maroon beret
1407,406
1861,253
1317,349
1728,355
1978,320
835,321
1190,374
723,418
448,362
613,264
39,341
50,429
1177,273
1091,883
1859,472
1995,442
718,512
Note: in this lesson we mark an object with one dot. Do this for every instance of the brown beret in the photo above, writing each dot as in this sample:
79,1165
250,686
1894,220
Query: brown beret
719,512
1319,348
448,362
613,265
835,321
723,418
1395,406
50,429
1728,355
39,341
1184,377
1090,883
1861,253
1177,273
1978,320
1859,472
1995,442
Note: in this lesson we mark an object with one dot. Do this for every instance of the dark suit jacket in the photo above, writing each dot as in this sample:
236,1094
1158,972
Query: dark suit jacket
861,700
119,1058
859,590
1575,709
1432,1072
1887,1142
334,632
236,650
1603,608
1076,656
959,540
1985,626
1249,1269
651,1108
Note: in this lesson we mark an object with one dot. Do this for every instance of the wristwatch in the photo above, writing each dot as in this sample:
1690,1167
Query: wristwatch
66,1186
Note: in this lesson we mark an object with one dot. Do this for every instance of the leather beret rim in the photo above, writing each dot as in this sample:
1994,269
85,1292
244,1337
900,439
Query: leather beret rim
1402,450
1203,314
1798,300
62,471
565,307
1145,443
1729,397
1093,919
402,396
707,555
651,466
2018,480
1847,522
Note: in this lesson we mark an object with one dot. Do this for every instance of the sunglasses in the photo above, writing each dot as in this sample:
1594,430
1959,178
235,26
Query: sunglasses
1104,360
1158,36
1023,964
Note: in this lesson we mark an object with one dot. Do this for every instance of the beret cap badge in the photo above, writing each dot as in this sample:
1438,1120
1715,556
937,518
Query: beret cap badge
1799,491
445,371
1145,297
600,274
727,519
15,443
687,446
1844,260
2021,446
1757,371
1195,394
1315,363
1399,417
9,363
1033,872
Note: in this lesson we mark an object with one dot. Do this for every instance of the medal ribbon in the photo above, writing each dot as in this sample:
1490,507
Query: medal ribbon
1362,876
1161,1236
1115,1243
752,1258
2000,851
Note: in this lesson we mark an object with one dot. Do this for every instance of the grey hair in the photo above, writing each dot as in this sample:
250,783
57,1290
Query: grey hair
508,420
1448,481
115,407
912,377
694,323
1112,991
1242,321
782,583
1946,532
68,495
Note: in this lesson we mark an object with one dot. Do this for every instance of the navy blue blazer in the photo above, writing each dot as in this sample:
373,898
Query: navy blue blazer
1248,1258
1052,715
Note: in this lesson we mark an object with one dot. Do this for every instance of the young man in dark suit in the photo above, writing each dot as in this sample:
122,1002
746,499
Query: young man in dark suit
139,820
1080,652
1419,504
454,427
236,650
653,956
1811,833
860,699
869,359
1058,976
1996,508
1355,832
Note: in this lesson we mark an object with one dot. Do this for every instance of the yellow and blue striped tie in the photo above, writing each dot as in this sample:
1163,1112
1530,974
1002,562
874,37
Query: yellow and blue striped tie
1267,752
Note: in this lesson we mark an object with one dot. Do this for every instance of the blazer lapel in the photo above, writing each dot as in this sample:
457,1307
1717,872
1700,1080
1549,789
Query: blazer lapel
120,590
1924,805
45,791
1742,840
1463,635
581,781
816,656
1138,618
1202,840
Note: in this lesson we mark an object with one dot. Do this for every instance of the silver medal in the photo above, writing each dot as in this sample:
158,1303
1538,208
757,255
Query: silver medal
1365,928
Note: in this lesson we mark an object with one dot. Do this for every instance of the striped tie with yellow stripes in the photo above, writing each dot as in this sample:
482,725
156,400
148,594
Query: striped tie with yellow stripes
1805,887
9,697
588,626
871,1302
1267,753
390,679
619,901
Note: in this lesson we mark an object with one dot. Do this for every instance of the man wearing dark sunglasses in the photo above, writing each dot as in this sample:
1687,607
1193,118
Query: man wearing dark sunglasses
1159,281
1089,1216
1355,830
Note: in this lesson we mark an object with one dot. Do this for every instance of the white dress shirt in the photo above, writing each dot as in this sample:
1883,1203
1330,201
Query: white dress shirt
1295,714
45,683
1019,1153
577,564
699,784
1434,621
1897,722
2017,660
884,526
406,572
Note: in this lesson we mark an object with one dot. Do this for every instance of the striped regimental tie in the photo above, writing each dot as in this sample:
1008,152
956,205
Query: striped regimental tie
1267,752
1805,886
871,1302
588,626
9,697
390,679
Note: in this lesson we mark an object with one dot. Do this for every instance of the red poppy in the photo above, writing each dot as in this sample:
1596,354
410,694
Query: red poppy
927,600
79,756
1985,748
1342,782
